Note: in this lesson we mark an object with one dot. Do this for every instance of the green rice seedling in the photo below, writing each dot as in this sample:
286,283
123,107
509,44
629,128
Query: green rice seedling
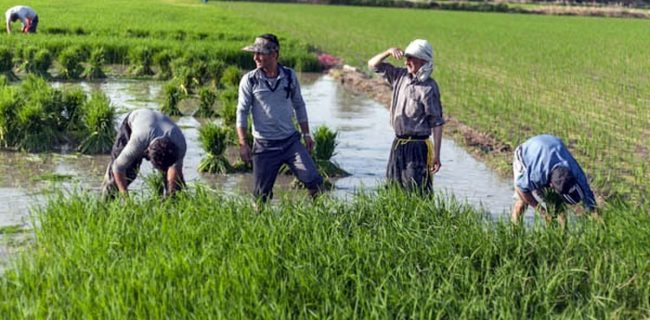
141,58
162,60
214,71
94,69
98,119
325,142
228,103
7,63
70,60
155,184
214,140
9,104
3,81
36,132
230,77
42,63
73,108
173,94
207,98
27,55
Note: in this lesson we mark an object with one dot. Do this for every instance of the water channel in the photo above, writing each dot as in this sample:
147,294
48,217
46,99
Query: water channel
364,142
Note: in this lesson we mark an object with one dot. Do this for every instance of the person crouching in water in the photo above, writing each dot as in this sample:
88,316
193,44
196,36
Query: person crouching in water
415,115
146,134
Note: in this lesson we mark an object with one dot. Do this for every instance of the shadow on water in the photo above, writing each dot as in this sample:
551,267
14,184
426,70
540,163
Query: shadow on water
364,141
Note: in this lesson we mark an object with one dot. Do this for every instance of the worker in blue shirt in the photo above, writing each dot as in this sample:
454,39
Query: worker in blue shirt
543,164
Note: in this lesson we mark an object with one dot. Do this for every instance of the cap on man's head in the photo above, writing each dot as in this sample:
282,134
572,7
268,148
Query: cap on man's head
420,49
566,185
265,44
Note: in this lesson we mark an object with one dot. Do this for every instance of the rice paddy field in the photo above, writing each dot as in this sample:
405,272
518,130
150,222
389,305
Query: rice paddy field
381,254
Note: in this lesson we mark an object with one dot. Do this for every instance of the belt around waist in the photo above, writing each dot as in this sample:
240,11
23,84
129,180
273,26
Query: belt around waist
412,137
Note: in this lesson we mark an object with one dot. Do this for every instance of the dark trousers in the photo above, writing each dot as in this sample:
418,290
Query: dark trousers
408,165
270,155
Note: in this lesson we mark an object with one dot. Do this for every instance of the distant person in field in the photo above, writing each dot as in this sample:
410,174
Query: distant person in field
271,94
546,173
146,134
415,115
26,15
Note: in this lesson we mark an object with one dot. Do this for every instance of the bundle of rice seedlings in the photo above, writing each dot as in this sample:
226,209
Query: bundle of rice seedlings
207,97
9,103
230,77
35,130
42,63
27,55
95,63
7,64
325,145
141,58
98,119
186,79
163,61
214,140
173,94
70,63
73,104
228,102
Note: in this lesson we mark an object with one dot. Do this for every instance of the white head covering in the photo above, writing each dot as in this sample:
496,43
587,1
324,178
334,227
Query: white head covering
421,49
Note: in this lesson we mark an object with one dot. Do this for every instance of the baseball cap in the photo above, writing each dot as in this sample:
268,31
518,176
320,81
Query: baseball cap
265,44
566,185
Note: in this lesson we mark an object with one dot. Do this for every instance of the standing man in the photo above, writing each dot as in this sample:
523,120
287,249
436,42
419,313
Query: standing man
271,93
415,115
146,134
543,166
27,16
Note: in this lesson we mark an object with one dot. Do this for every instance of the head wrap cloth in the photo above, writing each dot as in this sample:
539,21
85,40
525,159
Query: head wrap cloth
421,49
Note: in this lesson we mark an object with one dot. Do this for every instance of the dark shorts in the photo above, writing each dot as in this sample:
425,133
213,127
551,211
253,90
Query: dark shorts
408,165
268,157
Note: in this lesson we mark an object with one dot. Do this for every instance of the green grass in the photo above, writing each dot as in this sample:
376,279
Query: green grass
511,76
385,255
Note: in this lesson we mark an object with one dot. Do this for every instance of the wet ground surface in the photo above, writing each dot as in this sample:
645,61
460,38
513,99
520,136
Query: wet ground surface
364,142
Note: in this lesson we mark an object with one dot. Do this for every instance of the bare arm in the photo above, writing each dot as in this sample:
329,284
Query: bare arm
174,179
120,181
8,26
397,53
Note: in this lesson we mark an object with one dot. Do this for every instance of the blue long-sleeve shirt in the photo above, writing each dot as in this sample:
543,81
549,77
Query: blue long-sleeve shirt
539,156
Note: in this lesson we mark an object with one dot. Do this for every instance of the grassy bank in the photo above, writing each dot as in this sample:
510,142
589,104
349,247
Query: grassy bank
511,76
384,255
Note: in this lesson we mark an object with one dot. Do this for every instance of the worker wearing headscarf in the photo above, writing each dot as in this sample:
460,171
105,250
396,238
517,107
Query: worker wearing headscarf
415,115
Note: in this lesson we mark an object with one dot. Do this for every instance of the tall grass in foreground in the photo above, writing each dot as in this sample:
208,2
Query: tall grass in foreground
388,255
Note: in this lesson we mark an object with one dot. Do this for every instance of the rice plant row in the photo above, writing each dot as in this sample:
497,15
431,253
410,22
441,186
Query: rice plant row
35,117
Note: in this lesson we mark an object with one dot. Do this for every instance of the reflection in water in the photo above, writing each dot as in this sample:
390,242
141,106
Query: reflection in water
365,137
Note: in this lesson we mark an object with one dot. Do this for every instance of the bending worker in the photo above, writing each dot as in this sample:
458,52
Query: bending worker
415,115
543,167
146,134
271,94
26,15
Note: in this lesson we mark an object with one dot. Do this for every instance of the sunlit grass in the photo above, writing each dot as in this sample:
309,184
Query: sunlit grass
386,254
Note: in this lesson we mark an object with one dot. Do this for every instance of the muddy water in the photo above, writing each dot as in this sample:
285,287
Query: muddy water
364,141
